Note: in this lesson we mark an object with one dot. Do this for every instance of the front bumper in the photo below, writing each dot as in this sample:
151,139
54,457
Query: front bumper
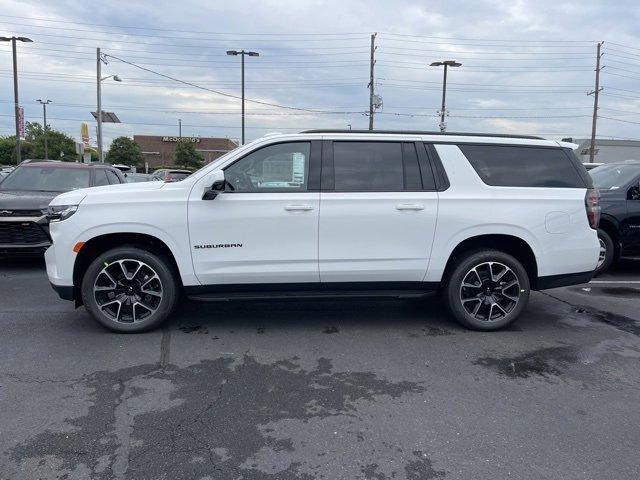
65,292
24,235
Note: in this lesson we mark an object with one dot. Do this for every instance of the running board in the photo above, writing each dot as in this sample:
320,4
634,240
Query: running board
228,296
225,292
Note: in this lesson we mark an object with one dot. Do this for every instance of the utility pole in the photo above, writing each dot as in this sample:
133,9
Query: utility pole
180,127
99,80
242,53
44,104
99,109
596,92
372,62
15,99
15,88
443,108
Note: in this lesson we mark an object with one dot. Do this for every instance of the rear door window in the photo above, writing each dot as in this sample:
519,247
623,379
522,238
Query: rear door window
523,166
368,167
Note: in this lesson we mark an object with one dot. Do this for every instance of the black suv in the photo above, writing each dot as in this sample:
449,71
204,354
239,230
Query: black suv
25,195
619,230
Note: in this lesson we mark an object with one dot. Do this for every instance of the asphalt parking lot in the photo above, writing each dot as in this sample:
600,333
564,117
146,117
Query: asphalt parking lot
349,389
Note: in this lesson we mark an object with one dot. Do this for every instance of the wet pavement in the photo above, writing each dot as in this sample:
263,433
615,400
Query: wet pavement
348,389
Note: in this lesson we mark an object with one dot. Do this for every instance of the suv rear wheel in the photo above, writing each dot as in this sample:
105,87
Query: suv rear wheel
486,290
129,289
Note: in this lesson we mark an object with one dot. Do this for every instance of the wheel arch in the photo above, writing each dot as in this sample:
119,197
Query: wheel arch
104,242
507,243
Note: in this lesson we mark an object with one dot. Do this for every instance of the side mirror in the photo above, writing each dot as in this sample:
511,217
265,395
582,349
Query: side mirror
634,193
217,185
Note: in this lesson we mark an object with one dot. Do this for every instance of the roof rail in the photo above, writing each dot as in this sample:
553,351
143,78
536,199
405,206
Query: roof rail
419,132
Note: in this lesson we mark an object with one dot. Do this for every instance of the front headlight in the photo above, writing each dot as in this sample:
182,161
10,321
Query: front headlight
57,213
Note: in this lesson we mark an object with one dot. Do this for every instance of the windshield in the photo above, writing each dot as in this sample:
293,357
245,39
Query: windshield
46,179
612,177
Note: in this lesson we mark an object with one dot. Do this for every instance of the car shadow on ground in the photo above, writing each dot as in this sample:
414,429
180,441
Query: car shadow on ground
21,262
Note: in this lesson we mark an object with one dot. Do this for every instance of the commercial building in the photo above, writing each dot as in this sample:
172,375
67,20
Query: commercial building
159,150
607,151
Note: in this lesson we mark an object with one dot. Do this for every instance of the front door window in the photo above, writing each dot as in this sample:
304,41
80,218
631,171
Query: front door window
277,168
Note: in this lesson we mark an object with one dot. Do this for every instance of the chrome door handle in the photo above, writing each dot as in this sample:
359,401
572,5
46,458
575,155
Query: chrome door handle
409,206
303,208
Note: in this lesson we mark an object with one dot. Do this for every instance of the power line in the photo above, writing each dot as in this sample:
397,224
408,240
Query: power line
485,39
168,124
325,37
620,120
174,30
209,41
217,92
624,46
183,54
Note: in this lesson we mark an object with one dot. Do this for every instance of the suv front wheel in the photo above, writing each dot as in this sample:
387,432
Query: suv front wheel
129,289
486,289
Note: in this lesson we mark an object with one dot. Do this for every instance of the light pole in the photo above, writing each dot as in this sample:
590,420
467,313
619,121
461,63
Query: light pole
445,63
44,104
242,53
15,87
100,79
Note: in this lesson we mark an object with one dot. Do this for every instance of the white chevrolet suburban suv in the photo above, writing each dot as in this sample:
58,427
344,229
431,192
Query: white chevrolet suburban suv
482,218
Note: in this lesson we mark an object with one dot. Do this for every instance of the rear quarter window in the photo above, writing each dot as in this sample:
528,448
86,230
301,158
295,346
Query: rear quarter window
522,166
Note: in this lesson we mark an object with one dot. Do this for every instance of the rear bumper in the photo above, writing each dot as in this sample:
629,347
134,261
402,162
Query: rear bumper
65,292
564,280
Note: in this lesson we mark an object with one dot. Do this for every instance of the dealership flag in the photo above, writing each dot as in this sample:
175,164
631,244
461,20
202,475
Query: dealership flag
21,122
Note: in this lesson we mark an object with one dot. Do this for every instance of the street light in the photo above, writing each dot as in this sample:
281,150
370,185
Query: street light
242,53
100,79
445,63
44,104
15,87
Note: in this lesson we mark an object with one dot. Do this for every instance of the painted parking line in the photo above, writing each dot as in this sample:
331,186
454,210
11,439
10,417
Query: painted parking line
626,282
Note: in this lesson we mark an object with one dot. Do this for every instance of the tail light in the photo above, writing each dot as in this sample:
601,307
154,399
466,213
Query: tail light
592,206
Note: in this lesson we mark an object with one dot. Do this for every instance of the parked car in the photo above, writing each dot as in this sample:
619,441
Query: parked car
170,175
591,166
25,195
123,168
138,177
619,230
485,219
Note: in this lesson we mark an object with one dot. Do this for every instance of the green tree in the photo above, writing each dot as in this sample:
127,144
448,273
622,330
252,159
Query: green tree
60,145
187,156
8,150
125,151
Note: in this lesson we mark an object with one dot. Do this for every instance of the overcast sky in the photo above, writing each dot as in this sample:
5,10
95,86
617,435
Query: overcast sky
527,65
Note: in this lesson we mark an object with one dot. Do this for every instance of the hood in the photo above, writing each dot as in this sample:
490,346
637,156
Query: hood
25,200
76,196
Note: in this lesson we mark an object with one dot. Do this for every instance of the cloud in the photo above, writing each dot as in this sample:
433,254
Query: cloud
522,58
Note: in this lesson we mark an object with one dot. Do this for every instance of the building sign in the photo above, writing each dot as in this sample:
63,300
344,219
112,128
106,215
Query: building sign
21,122
84,132
181,139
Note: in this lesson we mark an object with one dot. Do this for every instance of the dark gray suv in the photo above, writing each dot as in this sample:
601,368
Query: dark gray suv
25,195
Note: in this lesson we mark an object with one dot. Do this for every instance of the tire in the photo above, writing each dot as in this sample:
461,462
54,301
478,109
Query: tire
130,290
607,252
469,303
